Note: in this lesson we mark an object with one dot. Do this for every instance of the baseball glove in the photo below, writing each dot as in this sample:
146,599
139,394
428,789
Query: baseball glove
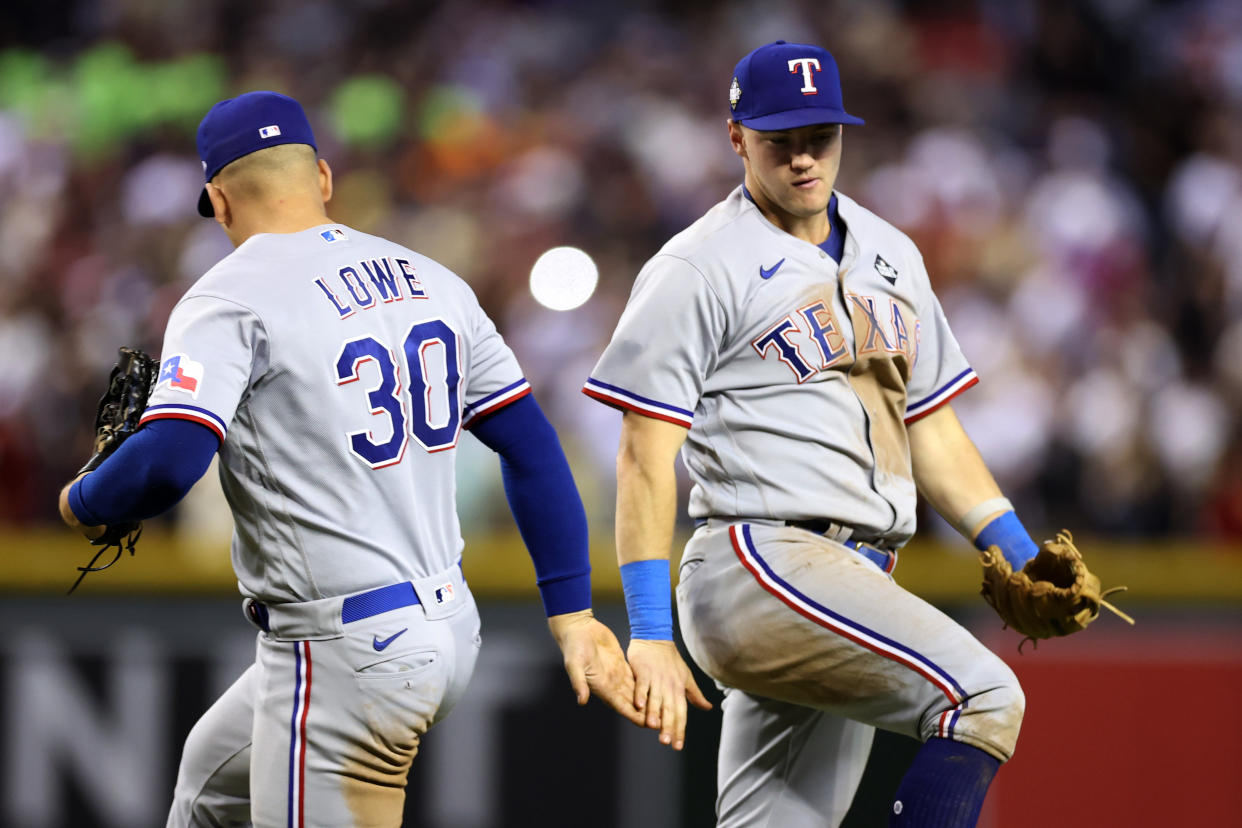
1053,595
120,408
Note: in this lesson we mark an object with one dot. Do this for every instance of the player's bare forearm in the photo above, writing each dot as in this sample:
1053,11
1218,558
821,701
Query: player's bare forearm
948,469
594,662
646,514
646,487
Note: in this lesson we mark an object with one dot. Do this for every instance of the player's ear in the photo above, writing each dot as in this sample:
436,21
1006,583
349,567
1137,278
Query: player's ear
219,204
325,180
736,138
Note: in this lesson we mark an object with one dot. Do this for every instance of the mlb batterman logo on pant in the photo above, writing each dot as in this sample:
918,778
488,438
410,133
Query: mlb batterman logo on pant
808,391
333,371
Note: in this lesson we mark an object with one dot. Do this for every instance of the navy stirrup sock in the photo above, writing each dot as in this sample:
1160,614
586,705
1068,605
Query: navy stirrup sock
944,787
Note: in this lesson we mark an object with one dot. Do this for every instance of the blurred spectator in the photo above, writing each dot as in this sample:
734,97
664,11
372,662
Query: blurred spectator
1071,170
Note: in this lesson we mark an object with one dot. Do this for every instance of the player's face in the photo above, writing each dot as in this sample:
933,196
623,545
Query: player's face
795,169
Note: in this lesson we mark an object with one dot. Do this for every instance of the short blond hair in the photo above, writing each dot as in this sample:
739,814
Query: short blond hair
274,171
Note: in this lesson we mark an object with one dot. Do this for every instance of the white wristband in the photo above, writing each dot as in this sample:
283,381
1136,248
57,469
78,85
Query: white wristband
966,524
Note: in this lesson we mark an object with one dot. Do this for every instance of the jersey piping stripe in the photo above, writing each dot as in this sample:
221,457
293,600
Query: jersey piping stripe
297,733
744,546
945,393
948,721
495,400
620,398
175,411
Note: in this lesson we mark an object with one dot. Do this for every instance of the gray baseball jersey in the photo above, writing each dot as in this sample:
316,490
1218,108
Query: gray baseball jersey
795,377
338,370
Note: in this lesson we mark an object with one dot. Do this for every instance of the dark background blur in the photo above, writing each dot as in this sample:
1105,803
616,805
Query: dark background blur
1071,171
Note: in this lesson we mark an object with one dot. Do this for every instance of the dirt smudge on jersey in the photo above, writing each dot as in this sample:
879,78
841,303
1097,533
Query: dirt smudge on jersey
878,381
746,637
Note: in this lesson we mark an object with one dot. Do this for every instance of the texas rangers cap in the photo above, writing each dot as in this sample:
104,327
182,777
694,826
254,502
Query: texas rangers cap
787,85
245,124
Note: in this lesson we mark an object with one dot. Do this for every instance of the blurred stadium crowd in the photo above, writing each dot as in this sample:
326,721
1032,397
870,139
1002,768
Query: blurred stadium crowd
1072,172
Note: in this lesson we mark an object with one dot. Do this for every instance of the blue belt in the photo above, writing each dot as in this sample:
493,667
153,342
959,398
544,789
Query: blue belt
885,559
383,599
355,607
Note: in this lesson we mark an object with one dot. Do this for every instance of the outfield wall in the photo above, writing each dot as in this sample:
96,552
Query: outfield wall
100,688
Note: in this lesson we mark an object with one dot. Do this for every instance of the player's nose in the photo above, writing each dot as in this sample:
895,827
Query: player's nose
801,160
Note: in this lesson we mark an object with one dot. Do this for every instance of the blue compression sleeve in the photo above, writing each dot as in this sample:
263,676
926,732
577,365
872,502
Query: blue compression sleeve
148,474
648,599
1007,532
544,501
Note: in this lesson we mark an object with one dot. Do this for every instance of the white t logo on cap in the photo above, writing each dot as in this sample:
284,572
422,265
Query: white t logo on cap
806,64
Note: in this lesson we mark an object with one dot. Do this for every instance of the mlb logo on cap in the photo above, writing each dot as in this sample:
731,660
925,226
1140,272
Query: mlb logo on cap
787,85
269,131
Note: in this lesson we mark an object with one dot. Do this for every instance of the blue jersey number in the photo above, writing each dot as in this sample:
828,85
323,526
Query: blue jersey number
433,402
436,422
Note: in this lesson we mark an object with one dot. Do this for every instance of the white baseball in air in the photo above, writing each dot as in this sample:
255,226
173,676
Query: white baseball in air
563,278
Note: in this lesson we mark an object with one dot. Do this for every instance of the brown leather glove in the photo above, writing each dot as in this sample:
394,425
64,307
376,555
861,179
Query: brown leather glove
1054,594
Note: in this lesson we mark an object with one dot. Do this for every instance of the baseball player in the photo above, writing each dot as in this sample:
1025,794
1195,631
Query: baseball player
334,372
788,343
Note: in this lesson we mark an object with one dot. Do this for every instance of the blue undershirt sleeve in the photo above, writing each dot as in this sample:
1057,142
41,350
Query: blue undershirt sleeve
147,475
544,500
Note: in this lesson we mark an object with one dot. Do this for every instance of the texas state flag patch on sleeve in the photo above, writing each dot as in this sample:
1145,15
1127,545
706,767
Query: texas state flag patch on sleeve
182,373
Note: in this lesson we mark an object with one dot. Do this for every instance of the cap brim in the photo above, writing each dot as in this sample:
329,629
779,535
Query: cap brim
204,205
794,118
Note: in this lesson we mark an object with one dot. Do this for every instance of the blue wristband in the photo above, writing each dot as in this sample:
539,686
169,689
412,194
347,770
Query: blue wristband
648,599
1007,532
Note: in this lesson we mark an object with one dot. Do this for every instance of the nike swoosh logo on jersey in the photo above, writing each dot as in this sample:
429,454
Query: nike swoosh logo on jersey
380,646
769,272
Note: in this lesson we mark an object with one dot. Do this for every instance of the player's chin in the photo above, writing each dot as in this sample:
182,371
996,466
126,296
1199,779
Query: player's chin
807,201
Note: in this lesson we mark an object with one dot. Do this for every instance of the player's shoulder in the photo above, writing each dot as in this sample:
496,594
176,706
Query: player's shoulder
871,230
726,226
368,246
727,233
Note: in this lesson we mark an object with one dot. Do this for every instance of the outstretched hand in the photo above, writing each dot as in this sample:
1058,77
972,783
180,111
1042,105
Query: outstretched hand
595,663
662,685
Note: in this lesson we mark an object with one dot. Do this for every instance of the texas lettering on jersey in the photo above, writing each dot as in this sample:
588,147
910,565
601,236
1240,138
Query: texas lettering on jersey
813,330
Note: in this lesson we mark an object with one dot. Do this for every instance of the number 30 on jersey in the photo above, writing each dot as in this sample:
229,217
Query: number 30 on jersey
429,410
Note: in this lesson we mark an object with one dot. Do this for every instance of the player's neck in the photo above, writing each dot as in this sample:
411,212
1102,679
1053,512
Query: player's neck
272,219
814,229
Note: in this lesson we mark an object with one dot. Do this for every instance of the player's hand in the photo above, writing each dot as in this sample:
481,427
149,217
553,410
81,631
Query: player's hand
594,662
662,684
71,520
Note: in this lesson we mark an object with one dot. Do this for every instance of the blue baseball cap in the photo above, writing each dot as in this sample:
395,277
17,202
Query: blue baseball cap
787,85
245,124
